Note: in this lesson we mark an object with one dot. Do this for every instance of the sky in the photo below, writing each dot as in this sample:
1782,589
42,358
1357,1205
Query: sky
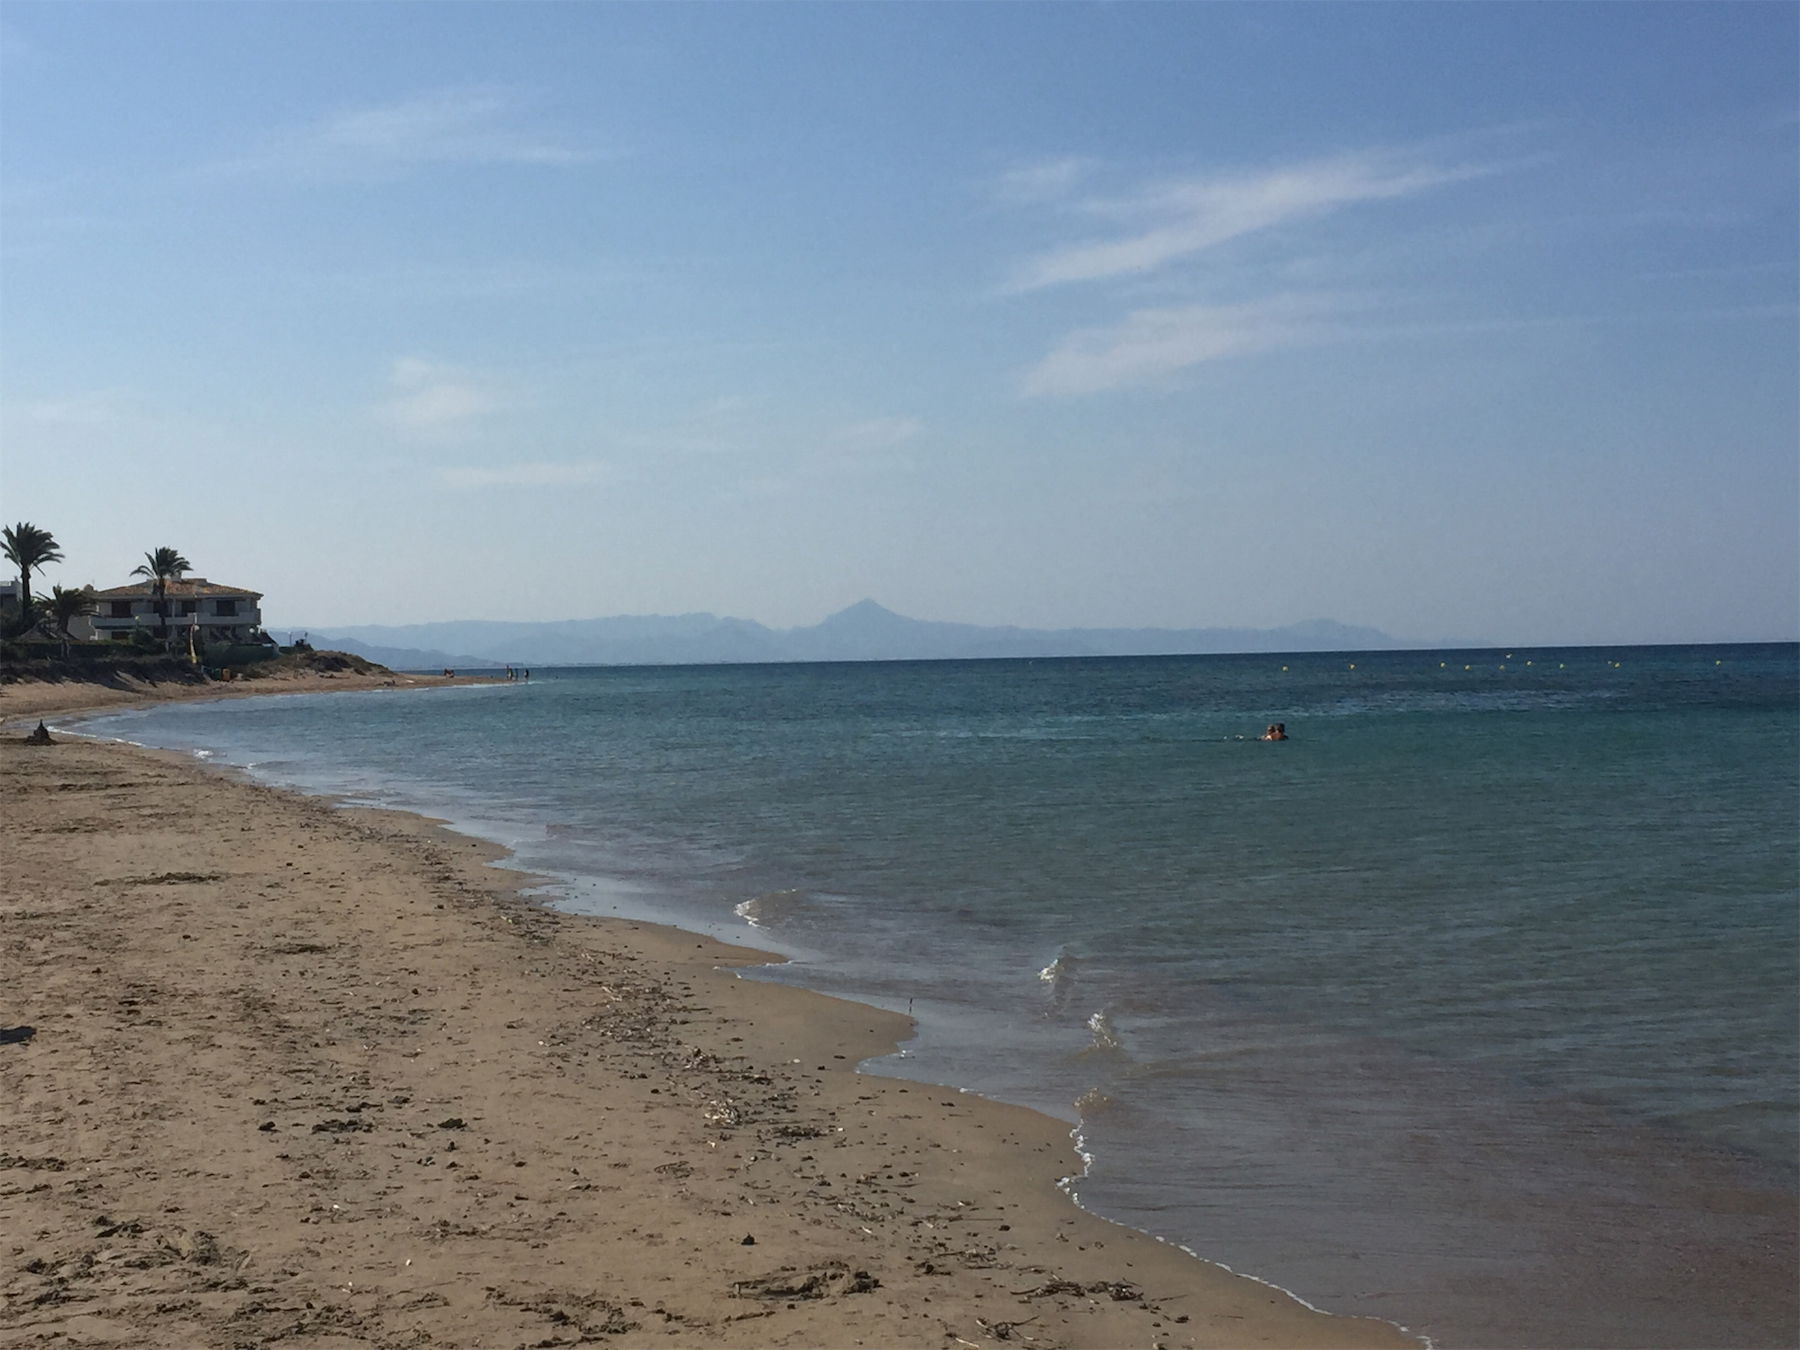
1454,320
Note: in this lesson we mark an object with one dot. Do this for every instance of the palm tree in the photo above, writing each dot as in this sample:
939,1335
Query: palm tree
29,549
162,566
66,607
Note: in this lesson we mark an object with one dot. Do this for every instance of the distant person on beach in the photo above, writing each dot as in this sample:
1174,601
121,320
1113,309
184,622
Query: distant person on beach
1277,732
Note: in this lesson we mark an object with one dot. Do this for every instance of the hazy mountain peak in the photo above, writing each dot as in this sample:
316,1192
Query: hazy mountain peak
864,613
865,631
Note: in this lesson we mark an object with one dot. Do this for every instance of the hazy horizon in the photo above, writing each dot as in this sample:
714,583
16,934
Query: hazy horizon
1402,640
1431,319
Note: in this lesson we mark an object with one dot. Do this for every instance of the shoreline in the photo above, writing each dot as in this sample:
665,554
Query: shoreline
36,699
881,1210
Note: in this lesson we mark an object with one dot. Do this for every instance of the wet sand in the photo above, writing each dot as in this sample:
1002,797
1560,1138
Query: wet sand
28,700
278,1073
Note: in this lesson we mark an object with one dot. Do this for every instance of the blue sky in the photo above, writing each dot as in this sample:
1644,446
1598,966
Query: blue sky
1471,319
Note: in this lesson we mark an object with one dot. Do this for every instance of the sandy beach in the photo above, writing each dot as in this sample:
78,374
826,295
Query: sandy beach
278,1073
28,700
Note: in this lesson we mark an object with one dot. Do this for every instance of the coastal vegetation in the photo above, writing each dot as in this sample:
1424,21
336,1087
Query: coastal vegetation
295,661
160,567
66,606
29,548
40,640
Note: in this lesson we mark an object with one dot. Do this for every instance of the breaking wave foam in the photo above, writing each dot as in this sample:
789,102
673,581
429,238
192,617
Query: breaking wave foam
760,911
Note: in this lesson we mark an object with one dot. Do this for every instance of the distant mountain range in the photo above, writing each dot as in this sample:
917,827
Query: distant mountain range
863,632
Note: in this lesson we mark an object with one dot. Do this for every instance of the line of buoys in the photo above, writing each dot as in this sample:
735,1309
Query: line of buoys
1560,665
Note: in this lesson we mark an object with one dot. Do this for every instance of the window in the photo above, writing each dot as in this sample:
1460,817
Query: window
190,606
121,609
225,609
121,637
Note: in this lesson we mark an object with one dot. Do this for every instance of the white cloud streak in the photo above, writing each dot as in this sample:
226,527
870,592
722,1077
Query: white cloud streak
538,474
1046,181
451,126
744,427
878,433
433,401
1179,219
98,408
1149,345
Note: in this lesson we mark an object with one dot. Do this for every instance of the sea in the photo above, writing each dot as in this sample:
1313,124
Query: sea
1474,1005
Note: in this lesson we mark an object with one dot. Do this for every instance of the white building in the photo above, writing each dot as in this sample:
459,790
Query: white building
216,613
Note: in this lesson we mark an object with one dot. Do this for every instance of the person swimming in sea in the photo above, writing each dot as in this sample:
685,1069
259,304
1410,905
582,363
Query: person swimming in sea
1277,732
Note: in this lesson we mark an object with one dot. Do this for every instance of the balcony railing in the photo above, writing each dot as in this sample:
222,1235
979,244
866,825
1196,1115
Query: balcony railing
113,623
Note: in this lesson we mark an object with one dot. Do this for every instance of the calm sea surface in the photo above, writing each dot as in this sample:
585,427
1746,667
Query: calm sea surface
1473,1005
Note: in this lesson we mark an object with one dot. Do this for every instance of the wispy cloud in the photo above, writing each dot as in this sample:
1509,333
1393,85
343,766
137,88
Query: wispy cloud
46,215
96,408
1175,220
878,433
477,280
538,474
751,428
728,425
1785,267
1149,345
481,126
871,448
1164,239
432,401
1045,181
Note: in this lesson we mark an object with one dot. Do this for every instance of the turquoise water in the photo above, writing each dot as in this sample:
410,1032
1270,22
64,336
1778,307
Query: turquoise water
1473,1005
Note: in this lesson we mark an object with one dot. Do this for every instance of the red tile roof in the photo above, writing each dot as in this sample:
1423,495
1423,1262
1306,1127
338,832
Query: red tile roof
189,588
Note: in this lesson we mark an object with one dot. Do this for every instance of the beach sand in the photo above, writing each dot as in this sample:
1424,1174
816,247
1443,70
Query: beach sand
28,700
278,1073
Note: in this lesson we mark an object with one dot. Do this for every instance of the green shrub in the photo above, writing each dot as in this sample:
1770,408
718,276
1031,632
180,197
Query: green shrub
235,654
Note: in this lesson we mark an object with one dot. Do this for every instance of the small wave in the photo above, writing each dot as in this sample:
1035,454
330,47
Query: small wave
1093,1103
1106,1036
759,911
1060,976
1061,970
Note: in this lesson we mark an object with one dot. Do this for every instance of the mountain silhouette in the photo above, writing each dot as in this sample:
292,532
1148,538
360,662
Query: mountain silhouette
865,631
